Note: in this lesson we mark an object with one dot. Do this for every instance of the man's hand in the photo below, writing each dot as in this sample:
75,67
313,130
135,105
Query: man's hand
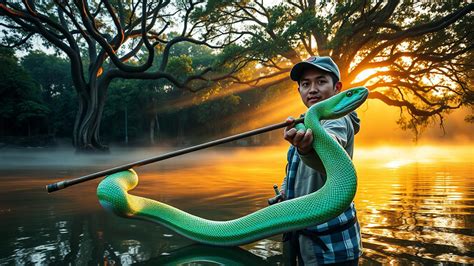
301,139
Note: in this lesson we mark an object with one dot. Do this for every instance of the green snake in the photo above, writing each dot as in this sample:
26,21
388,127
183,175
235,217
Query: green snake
295,214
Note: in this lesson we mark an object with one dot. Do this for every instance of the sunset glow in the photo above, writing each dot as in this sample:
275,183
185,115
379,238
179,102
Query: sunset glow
368,74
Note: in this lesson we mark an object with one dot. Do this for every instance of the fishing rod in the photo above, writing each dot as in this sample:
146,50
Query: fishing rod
69,182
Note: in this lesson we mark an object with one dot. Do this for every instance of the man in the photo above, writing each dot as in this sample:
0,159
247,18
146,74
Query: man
337,241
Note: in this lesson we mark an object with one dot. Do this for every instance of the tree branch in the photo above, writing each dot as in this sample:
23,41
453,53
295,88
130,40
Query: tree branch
19,43
119,39
412,108
431,26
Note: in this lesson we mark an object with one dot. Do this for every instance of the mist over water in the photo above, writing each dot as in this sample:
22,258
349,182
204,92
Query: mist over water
67,157
415,204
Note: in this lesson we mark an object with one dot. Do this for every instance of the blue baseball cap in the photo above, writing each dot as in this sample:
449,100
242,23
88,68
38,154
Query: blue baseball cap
324,63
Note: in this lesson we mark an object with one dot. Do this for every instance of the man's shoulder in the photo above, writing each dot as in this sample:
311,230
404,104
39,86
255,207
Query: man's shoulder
338,122
347,121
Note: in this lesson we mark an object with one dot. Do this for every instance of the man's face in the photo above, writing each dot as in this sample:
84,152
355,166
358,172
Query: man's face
316,85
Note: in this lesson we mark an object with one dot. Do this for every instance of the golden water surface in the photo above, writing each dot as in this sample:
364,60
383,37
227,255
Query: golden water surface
415,205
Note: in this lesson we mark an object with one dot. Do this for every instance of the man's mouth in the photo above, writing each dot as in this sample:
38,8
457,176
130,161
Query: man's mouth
314,99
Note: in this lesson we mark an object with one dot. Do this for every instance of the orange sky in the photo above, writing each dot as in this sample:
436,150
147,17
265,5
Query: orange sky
379,126
378,123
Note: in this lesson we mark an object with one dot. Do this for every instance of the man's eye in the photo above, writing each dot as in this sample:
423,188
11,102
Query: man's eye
304,84
321,81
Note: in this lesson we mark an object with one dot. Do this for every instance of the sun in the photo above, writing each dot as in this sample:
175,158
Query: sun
367,74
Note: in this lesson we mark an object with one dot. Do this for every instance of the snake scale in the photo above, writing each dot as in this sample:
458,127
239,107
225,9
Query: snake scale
318,207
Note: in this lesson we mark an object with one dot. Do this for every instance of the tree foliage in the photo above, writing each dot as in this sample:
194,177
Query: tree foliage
416,56
57,91
154,110
20,99
109,40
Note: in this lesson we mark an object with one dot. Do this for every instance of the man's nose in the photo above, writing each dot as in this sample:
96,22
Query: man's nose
313,88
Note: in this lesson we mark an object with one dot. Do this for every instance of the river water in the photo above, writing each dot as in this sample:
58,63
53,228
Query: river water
415,205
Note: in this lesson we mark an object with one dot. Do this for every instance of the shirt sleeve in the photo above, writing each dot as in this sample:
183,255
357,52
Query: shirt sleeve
285,179
337,129
283,184
312,160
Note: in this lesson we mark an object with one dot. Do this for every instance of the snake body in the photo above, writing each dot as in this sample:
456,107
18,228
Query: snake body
318,207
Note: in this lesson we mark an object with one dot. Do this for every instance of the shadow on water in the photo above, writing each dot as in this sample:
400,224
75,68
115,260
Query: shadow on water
415,205
211,255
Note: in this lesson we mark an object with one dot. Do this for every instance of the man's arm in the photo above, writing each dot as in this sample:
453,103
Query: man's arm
337,129
312,160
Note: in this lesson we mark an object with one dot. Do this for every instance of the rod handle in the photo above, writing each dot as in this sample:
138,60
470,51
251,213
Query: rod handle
56,186
275,188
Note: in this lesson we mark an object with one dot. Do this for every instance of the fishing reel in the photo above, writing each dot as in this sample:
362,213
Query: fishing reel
279,197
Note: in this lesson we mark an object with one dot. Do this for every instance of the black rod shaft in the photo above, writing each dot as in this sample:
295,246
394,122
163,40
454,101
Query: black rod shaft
69,182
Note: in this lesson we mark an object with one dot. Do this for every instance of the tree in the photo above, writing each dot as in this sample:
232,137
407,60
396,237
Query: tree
54,78
108,40
21,106
416,56
152,105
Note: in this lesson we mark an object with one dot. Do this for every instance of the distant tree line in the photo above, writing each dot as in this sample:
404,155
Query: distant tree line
38,103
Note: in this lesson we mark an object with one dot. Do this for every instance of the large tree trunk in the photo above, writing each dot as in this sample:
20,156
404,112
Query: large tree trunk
88,118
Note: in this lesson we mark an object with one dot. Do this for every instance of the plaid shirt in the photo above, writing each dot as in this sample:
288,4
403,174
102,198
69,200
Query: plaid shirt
338,245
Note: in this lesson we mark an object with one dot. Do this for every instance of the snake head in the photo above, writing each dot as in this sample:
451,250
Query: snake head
340,104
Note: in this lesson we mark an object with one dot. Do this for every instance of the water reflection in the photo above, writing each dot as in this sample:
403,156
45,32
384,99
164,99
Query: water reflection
415,205
197,254
420,205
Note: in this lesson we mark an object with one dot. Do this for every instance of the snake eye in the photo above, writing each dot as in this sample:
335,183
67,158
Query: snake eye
349,93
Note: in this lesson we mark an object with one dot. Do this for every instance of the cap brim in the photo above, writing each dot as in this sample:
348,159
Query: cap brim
298,69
